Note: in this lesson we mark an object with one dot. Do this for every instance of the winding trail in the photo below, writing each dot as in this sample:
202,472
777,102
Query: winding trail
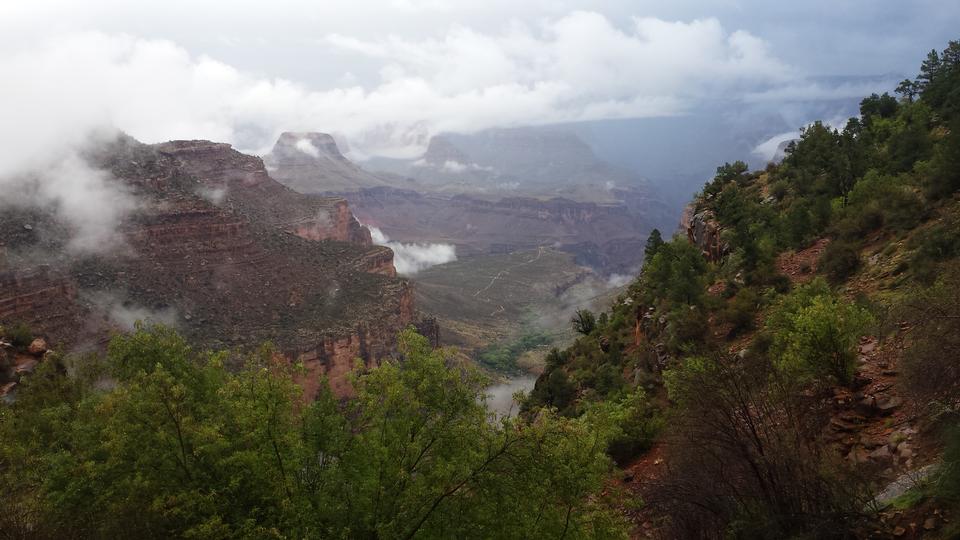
502,272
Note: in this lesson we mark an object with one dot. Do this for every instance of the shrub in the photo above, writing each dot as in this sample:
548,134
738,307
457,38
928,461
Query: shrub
639,425
19,335
930,369
840,260
741,311
938,244
686,327
815,334
584,322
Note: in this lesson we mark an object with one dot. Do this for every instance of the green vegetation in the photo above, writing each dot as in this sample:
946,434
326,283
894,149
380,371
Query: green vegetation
814,334
19,334
504,357
735,360
178,446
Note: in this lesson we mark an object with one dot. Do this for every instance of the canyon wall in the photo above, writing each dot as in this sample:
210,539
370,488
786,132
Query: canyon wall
219,250
608,237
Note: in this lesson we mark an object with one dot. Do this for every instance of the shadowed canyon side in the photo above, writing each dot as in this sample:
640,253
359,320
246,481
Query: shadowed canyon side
219,250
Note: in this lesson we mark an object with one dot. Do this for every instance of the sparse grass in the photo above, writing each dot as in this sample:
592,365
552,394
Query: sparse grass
910,499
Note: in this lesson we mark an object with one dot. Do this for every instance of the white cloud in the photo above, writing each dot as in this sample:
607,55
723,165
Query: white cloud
91,202
767,150
573,67
453,166
307,147
412,258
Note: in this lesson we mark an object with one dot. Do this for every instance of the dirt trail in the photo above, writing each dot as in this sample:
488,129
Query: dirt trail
501,273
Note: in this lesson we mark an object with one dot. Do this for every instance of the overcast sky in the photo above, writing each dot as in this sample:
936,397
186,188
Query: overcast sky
388,74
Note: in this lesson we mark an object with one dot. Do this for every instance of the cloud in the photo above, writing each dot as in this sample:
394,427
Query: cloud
91,202
214,195
126,314
307,147
579,66
767,150
412,258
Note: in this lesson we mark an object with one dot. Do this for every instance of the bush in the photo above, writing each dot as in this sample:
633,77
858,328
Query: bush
686,327
741,311
930,369
938,244
19,335
639,425
814,334
840,260
584,322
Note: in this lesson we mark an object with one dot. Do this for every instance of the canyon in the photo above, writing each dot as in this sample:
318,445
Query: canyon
219,250
493,192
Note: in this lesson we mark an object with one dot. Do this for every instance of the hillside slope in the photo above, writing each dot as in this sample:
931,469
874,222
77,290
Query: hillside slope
787,365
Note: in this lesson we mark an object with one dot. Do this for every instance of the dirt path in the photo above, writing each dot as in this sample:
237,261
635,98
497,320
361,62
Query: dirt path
501,273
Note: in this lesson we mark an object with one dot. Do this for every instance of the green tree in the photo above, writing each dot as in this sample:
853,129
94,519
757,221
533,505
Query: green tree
908,90
676,273
654,241
584,322
179,446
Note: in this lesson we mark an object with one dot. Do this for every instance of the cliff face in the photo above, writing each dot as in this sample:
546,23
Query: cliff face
240,182
312,163
222,252
335,357
703,231
605,236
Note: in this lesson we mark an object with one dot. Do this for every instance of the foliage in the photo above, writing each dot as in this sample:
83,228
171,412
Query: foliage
930,370
19,334
934,246
676,273
654,241
948,482
584,322
814,334
741,310
181,447
840,260
638,425
746,462
503,357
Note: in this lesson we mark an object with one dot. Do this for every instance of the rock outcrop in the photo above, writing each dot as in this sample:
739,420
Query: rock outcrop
312,163
219,250
241,183
703,231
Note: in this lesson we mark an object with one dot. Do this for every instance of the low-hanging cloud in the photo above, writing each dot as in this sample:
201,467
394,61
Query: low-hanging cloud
579,66
126,314
89,201
412,258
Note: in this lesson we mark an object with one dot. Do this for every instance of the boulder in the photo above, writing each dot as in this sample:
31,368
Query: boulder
37,347
881,454
889,404
867,406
